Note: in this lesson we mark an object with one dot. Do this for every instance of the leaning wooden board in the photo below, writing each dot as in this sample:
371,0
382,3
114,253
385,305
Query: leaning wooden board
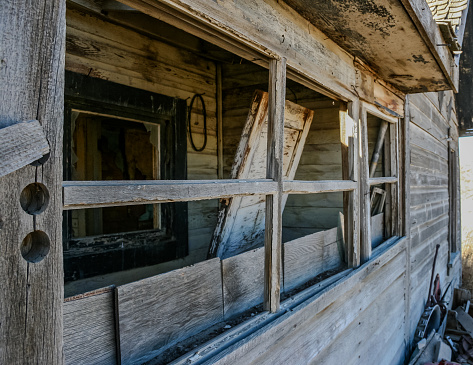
89,329
158,312
240,224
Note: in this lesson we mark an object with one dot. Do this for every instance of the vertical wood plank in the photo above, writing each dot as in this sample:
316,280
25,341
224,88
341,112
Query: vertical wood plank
274,170
350,165
32,40
394,154
365,250
404,185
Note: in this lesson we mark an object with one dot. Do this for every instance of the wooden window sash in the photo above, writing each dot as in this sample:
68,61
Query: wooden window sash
392,216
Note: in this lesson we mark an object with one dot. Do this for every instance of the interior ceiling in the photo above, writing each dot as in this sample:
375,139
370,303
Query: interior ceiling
381,34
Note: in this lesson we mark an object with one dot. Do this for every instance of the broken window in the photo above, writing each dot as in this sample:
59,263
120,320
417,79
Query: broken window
382,167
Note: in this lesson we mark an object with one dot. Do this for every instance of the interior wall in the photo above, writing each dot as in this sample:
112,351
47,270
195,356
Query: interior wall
98,47
321,158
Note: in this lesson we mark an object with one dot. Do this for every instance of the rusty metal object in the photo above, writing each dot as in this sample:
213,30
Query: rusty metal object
429,297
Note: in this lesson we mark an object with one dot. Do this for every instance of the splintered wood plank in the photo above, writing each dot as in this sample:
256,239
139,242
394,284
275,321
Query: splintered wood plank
231,237
20,145
158,312
308,256
89,330
243,281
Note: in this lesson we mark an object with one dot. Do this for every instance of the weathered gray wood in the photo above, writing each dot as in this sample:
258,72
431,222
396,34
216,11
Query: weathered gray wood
365,243
382,180
314,319
260,47
89,329
275,170
235,334
352,217
306,257
243,281
377,230
310,187
32,84
88,194
241,221
157,312
20,145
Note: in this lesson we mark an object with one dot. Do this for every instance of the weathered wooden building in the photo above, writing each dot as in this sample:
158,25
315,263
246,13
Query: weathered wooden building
246,182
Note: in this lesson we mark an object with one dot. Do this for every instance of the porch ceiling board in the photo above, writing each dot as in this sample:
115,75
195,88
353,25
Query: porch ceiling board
398,39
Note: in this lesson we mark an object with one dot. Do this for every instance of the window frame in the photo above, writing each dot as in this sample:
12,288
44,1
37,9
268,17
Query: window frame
393,207
100,97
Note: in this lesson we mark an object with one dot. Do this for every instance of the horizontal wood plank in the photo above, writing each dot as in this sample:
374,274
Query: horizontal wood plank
309,187
158,312
20,145
95,194
383,180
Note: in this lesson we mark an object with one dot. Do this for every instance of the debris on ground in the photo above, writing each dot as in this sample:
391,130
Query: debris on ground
449,343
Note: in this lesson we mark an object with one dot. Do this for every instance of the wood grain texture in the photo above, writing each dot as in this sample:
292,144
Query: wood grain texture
317,321
89,330
377,230
261,20
365,237
157,312
306,257
243,281
20,145
236,233
310,187
32,79
93,194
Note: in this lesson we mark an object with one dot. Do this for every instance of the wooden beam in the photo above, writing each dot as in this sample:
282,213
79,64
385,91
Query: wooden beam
352,216
274,170
383,180
322,186
20,145
95,194
405,230
32,40
365,249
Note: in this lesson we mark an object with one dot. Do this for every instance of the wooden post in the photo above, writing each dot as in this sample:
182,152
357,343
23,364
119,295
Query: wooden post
32,44
273,223
354,215
349,148
404,186
365,244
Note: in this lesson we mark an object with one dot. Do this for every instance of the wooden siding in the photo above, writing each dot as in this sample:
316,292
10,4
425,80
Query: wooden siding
429,198
320,328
